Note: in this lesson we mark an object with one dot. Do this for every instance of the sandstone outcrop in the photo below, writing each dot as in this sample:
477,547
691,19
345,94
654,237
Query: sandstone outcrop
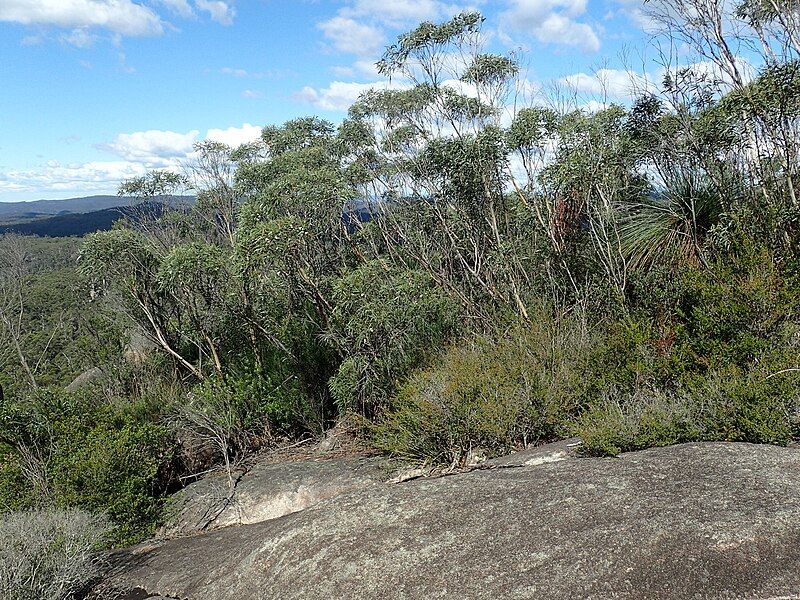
710,520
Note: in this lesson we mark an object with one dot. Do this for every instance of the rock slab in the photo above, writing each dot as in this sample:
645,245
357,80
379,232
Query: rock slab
691,521
267,491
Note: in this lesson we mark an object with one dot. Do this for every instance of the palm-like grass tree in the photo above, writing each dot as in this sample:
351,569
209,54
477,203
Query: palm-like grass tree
670,227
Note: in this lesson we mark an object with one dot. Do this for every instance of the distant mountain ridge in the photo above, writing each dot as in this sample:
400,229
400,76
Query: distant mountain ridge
86,204
68,223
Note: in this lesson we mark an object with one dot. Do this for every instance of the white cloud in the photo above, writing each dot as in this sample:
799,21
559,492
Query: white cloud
221,12
119,16
593,106
339,95
80,38
179,7
367,67
139,152
352,37
153,147
31,40
552,22
233,72
241,73
235,136
159,148
253,94
611,83
396,13
341,71
363,67
81,178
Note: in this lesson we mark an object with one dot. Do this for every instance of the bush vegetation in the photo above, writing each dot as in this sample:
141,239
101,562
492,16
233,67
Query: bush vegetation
491,394
464,276
50,554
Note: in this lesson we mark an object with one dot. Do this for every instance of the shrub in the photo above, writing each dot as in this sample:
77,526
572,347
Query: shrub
386,322
220,419
740,311
112,466
16,491
90,454
747,407
620,422
49,554
491,394
730,406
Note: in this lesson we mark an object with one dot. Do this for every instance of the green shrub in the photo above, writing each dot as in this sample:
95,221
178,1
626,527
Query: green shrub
708,355
490,395
748,407
16,491
730,406
740,311
112,466
620,423
89,454
385,323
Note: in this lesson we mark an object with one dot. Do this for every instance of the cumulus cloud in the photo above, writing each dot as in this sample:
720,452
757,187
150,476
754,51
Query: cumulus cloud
235,136
153,147
119,16
179,7
352,37
552,22
80,38
253,94
339,95
358,27
367,67
157,147
221,12
397,13
593,106
80,178
611,83
138,152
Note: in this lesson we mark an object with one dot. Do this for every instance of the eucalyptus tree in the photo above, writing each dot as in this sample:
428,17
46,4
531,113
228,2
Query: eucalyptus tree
437,162
169,267
16,262
742,70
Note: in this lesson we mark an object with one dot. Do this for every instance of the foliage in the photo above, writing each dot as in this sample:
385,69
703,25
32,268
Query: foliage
398,266
731,406
621,423
384,324
77,452
721,368
490,395
49,554
671,229
225,419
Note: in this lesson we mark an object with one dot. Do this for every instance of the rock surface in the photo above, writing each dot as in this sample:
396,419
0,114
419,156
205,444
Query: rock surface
84,379
690,521
267,491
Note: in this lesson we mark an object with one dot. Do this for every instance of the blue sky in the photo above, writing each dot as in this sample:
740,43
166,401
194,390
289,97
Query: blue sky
94,91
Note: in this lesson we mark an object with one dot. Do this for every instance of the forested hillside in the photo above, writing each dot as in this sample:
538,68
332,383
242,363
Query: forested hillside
80,224
36,209
12,211
629,275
